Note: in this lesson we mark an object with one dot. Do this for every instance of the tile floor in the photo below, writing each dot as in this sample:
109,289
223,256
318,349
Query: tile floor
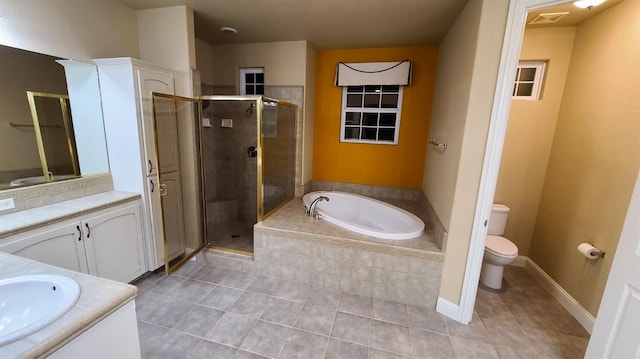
206,311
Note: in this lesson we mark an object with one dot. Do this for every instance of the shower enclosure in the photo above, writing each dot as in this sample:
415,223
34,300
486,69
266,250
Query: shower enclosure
249,164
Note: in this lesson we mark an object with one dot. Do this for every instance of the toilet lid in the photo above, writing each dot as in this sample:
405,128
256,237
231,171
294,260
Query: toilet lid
501,246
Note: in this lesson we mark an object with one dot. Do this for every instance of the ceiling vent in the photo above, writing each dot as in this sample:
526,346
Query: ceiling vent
550,18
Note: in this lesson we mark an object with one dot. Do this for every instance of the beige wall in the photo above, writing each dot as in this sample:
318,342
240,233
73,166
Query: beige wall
284,62
287,63
204,61
167,38
465,85
76,29
530,133
309,106
595,155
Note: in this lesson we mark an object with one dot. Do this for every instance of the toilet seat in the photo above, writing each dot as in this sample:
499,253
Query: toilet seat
501,246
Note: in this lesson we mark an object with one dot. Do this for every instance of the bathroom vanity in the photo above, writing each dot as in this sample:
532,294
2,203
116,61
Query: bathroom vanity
99,234
101,324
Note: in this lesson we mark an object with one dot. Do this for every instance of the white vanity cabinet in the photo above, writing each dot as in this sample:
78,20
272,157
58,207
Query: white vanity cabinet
126,85
106,243
115,336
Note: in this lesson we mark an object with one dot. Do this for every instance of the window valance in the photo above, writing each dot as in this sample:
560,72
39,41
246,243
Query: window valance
373,73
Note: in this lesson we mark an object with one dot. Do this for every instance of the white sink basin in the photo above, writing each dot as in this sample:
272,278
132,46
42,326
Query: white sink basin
31,302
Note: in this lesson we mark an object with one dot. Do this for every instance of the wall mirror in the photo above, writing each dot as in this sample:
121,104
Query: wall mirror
51,125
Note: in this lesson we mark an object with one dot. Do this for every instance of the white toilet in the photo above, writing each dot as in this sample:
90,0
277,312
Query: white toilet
498,251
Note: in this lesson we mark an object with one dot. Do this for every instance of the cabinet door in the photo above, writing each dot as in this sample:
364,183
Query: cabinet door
151,81
155,221
172,214
59,245
114,245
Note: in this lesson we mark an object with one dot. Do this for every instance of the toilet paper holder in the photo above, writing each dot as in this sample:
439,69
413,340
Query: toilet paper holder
590,251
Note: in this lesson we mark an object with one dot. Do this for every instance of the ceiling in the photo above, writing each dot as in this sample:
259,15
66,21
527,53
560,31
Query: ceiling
328,24
337,24
575,17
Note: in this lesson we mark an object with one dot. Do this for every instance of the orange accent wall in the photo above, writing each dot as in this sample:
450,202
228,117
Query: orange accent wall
398,165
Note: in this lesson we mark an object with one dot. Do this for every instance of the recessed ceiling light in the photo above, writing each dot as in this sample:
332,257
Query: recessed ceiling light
588,4
228,30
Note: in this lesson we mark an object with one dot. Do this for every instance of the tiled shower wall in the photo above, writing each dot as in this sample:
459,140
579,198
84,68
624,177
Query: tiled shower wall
294,95
230,175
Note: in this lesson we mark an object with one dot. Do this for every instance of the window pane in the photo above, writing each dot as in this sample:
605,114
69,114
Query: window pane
354,100
259,78
386,134
352,133
524,89
372,88
259,90
369,133
372,100
354,89
391,88
389,101
352,118
388,119
370,119
249,78
527,74
515,87
248,89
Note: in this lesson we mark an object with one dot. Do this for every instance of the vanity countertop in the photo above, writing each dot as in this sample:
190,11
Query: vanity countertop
41,216
98,298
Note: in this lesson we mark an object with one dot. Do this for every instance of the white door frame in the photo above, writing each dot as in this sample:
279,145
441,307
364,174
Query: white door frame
514,33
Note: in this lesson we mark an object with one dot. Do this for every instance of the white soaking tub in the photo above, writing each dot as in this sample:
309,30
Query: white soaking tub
366,215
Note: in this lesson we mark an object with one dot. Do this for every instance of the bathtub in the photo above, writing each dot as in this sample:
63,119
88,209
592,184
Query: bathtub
366,215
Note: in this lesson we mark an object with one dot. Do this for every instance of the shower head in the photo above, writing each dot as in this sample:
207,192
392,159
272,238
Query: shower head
250,109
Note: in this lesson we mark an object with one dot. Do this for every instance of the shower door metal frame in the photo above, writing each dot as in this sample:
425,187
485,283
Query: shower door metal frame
198,135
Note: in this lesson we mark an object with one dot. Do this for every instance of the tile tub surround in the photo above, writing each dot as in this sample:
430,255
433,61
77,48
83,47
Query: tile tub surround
98,299
212,314
290,245
49,193
28,219
368,190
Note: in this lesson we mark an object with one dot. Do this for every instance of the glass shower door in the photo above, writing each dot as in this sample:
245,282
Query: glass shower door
278,155
177,132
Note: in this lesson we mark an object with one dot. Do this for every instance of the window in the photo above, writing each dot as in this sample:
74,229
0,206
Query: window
528,80
371,114
252,81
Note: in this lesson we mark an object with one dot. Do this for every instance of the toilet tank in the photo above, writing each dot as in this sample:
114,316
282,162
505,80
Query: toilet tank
498,219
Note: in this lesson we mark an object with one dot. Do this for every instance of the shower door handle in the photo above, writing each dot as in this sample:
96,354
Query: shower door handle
252,151
163,189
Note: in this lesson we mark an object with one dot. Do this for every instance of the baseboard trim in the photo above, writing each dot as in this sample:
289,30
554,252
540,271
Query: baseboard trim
449,309
566,300
520,261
